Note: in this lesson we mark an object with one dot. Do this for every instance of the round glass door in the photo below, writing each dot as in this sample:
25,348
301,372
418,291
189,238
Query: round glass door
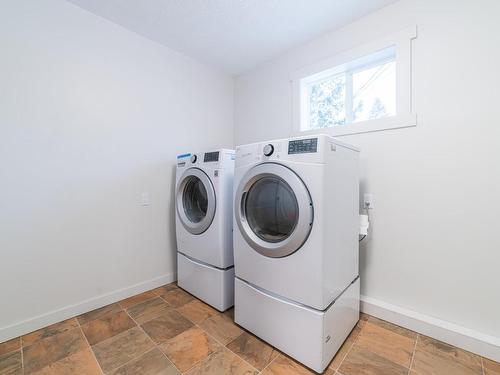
274,210
195,201
271,209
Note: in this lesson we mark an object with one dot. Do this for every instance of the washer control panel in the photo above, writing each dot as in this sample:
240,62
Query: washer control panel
303,146
211,156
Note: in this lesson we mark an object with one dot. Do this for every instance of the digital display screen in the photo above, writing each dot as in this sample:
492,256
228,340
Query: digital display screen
303,146
211,156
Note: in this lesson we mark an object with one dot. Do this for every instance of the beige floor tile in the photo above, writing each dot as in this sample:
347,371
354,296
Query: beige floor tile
81,363
222,328
108,326
49,331
361,322
166,326
165,288
363,316
189,348
284,365
253,350
122,348
46,351
153,362
386,342
344,349
177,297
10,346
229,313
134,300
433,357
148,310
99,313
197,311
391,327
491,367
11,363
360,361
223,362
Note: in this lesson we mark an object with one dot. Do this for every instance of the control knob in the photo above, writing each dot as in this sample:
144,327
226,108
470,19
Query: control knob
268,149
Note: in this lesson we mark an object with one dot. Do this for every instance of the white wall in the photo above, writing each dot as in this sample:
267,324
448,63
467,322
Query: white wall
434,247
91,115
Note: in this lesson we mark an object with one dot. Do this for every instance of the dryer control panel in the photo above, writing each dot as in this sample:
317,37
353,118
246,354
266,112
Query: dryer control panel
303,146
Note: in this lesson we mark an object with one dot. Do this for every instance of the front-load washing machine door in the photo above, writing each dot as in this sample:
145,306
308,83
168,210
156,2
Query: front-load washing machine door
274,210
195,201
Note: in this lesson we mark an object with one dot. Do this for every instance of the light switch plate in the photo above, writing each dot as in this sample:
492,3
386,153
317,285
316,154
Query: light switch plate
145,199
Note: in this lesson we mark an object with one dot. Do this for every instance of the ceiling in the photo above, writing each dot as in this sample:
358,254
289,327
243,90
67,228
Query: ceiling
231,35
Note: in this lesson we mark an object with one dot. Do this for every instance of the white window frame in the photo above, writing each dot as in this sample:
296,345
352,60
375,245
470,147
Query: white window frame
401,43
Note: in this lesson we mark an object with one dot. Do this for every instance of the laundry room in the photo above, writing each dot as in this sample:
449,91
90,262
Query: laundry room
275,187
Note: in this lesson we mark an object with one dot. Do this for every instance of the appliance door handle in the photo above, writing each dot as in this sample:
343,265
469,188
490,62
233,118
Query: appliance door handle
243,204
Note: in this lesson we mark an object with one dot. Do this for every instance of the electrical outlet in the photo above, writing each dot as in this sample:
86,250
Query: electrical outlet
363,225
368,201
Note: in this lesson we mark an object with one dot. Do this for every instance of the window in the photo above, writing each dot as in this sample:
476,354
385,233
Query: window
374,92
357,91
367,90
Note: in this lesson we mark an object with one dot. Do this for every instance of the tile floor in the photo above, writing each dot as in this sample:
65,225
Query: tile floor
167,331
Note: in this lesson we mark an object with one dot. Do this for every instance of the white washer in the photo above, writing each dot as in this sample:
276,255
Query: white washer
296,244
204,206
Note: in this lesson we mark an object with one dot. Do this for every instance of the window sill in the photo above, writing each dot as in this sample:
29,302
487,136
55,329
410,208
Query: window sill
396,122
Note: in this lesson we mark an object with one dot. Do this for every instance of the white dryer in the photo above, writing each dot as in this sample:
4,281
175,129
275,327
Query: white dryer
204,206
296,244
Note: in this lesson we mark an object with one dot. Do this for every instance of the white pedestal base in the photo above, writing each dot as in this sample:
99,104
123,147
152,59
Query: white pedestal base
310,336
212,285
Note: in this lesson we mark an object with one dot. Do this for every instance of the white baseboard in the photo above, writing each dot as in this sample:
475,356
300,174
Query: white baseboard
44,320
468,339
